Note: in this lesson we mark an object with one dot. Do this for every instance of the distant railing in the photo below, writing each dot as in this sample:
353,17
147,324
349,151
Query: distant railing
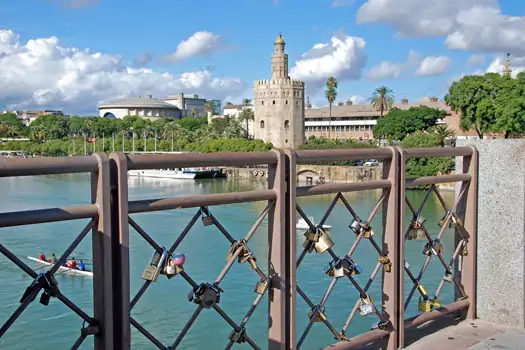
111,211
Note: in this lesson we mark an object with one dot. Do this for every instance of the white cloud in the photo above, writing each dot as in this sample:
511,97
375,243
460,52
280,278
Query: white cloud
388,69
468,24
44,74
342,3
358,100
342,57
385,70
200,43
434,65
476,60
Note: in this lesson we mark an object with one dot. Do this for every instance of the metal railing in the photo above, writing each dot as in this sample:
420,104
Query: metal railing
111,212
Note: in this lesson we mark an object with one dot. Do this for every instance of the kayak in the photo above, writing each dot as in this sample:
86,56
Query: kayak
63,268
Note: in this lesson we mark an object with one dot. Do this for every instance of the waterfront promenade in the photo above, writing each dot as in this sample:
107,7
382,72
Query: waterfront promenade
415,267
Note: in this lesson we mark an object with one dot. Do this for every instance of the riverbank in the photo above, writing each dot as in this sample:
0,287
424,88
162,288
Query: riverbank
330,173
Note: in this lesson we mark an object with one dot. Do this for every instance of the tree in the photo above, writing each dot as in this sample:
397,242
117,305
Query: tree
398,123
209,107
512,117
192,123
330,94
482,101
11,126
443,133
382,99
246,115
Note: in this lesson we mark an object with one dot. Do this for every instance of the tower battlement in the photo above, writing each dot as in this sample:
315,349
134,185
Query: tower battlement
280,82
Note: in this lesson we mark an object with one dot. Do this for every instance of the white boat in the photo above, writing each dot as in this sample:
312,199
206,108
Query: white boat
63,268
302,225
180,173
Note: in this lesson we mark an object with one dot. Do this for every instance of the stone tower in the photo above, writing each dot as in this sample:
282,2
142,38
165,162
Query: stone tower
507,70
279,104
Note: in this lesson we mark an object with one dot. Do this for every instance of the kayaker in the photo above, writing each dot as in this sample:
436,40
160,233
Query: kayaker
81,266
42,257
72,263
53,258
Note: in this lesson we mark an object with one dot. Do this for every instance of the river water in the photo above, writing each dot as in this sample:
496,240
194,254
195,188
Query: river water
164,308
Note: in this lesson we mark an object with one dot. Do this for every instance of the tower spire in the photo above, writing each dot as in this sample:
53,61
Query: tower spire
279,59
507,70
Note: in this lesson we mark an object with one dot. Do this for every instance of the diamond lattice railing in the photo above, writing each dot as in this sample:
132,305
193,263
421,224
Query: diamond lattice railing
46,282
205,295
318,239
434,248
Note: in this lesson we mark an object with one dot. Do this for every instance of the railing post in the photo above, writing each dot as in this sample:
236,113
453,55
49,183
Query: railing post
468,209
401,185
391,244
120,256
103,298
280,318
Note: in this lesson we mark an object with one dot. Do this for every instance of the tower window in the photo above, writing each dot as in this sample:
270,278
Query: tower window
262,124
286,124
273,102
297,103
286,101
262,103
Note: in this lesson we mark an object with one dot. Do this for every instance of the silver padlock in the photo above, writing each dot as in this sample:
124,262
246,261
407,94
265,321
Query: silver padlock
366,305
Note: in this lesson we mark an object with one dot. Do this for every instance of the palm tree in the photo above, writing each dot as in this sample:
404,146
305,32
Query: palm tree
382,99
330,94
209,107
194,112
246,114
443,132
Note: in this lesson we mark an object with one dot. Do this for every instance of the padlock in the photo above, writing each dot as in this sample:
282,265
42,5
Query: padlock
248,257
442,221
206,295
448,277
351,267
464,250
312,236
324,243
417,229
308,245
356,226
368,232
426,305
207,219
320,314
387,264
433,248
172,270
335,269
382,325
262,285
44,298
366,305
156,266
238,336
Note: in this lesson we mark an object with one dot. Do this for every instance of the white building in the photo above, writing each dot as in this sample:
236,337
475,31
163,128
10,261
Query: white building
187,104
142,106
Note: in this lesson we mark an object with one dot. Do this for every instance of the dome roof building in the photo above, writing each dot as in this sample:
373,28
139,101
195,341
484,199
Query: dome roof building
142,106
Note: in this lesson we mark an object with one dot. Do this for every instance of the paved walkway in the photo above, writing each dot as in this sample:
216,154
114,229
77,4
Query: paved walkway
477,335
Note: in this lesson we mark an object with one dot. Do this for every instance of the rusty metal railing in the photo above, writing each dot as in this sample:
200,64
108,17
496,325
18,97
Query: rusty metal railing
98,212
111,214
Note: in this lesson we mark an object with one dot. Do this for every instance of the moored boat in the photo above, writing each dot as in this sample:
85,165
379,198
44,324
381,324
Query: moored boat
63,268
180,173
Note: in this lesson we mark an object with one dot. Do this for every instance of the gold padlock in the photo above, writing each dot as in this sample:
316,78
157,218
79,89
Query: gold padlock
464,250
366,305
427,305
238,336
261,286
312,236
387,264
324,243
320,314
308,245
368,232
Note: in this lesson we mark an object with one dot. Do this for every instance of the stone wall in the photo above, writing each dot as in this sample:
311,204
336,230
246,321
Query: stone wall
501,230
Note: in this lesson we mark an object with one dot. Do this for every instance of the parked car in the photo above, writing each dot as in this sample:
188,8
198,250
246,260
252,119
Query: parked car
371,162
358,163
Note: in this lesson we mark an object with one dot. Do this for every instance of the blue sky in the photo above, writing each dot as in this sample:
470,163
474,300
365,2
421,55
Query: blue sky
238,41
